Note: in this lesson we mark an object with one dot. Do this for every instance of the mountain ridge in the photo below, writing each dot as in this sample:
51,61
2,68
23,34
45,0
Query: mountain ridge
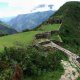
29,21
5,29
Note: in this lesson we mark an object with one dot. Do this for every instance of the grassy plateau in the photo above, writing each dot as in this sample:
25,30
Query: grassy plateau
12,40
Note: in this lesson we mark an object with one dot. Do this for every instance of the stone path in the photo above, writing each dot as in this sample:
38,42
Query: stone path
72,56
70,72
71,67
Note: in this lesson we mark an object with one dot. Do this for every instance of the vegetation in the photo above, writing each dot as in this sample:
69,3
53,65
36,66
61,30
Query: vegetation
37,63
78,78
75,48
70,28
5,29
54,75
11,40
29,61
56,37
48,27
27,37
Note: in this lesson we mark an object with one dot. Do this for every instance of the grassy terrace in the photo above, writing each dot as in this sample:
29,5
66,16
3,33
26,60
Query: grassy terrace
27,37
56,37
12,40
49,27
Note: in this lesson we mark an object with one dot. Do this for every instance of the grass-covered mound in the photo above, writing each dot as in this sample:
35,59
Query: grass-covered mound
70,28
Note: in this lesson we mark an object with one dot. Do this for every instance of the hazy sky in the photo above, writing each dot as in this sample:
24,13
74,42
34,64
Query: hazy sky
14,7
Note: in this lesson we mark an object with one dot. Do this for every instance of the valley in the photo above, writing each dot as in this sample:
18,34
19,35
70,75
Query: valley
42,47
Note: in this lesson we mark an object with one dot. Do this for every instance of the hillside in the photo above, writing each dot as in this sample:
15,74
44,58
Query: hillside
70,28
5,29
29,21
27,37
13,40
69,17
47,52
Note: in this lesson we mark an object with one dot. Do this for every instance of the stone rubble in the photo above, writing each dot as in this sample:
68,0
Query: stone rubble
70,73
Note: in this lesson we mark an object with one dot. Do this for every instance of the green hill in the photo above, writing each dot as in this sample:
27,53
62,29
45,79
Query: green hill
68,16
70,27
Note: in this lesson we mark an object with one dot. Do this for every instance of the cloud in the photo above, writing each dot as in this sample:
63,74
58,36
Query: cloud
37,7
41,6
15,7
51,6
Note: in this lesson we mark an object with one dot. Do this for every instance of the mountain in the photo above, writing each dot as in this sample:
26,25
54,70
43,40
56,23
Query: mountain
70,28
69,17
4,29
29,21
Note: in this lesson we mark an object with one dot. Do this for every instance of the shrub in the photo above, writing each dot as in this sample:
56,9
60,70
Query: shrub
32,61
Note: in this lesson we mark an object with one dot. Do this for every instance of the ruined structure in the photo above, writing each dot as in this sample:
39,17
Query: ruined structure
43,35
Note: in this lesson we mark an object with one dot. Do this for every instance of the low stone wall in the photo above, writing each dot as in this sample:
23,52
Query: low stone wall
43,35
46,34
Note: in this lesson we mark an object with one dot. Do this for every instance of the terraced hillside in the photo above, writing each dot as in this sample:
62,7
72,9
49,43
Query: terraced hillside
48,27
69,17
62,24
70,28
27,37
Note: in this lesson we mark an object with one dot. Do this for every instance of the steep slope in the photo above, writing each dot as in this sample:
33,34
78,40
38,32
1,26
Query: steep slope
29,21
70,28
69,17
4,29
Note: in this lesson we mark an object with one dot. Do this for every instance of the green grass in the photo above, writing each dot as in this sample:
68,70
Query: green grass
55,75
11,40
27,37
49,27
78,78
52,75
56,38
